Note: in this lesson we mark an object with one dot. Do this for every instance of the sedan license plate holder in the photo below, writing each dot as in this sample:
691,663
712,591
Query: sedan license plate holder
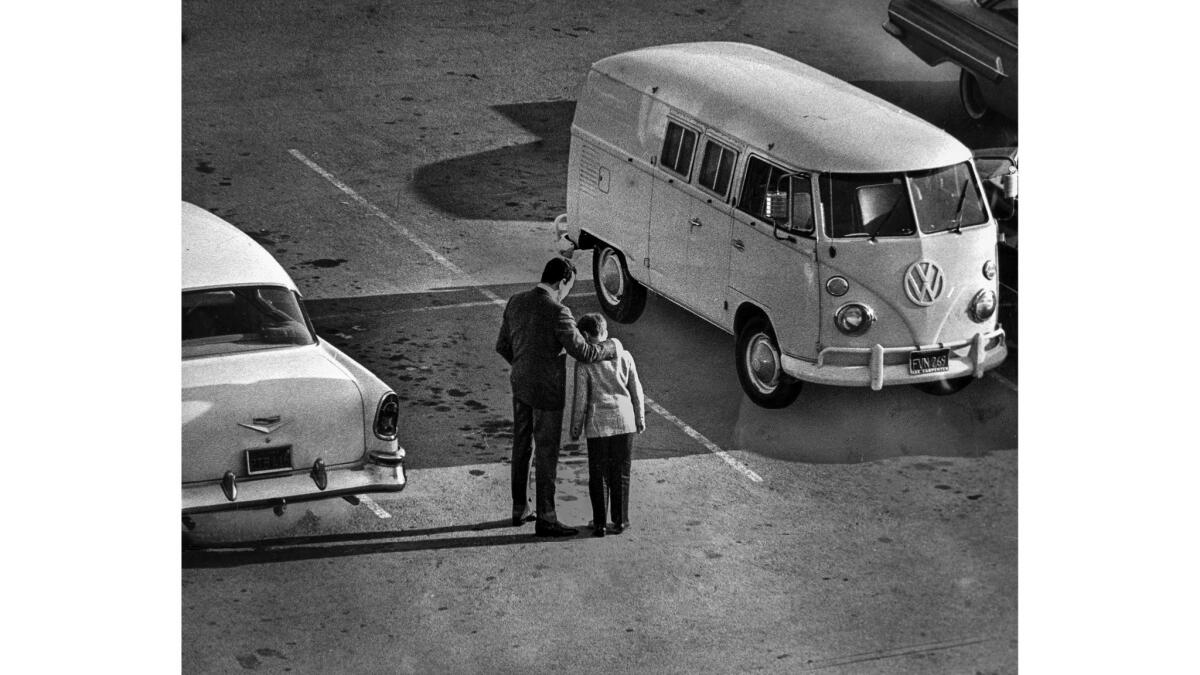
931,361
269,460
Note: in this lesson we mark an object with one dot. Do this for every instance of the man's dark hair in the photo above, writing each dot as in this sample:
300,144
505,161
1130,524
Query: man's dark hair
556,270
591,324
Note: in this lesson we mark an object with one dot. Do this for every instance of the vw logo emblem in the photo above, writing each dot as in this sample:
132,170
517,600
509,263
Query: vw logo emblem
923,282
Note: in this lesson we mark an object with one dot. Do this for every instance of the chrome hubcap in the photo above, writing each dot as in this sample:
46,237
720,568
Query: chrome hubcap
612,279
762,363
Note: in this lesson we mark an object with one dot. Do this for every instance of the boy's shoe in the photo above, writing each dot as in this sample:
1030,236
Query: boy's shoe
597,531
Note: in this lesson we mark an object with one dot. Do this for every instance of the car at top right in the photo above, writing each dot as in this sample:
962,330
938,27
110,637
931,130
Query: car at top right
978,36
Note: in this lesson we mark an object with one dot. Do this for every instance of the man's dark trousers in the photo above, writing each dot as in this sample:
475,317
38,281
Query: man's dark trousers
535,432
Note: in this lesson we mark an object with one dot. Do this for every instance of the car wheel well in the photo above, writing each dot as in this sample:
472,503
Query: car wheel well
587,240
745,312
971,96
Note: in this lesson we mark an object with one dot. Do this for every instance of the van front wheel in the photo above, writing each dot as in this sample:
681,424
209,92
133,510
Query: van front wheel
621,296
760,366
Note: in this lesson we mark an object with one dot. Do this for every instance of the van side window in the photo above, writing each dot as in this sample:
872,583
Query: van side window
677,150
717,167
761,178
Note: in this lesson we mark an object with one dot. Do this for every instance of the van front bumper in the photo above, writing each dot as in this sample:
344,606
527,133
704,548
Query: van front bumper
299,486
878,365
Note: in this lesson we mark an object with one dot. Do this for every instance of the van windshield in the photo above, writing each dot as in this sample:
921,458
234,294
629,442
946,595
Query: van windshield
947,199
895,205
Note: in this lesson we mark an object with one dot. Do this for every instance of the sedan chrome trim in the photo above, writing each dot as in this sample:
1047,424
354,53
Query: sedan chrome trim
264,425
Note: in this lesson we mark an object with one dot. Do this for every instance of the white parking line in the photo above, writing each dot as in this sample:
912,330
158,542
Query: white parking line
699,438
404,310
373,506
497,300
377,212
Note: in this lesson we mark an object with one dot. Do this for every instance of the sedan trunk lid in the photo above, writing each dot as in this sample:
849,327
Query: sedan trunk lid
287,406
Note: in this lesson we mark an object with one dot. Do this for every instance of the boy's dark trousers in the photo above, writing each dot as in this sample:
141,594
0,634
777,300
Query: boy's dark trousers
609,461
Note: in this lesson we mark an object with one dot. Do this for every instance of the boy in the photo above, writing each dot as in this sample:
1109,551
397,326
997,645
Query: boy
609,406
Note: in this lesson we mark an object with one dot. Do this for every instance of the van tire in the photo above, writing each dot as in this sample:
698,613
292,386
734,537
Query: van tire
945,387
971,95
622,297
760,367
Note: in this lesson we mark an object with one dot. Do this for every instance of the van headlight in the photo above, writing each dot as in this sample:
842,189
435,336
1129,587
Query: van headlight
989,270
983,306
387,417
854,318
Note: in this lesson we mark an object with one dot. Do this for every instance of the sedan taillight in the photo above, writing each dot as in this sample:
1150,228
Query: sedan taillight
387,417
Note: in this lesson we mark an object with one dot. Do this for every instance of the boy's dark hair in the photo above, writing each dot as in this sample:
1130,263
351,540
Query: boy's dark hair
556,270
592,324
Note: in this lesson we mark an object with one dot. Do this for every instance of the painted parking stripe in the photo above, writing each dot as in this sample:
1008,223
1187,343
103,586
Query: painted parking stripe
379,511
699,438
402,310
404,231
497,300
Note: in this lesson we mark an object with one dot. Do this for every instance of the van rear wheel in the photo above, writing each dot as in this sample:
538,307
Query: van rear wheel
945,387
621,296
760,366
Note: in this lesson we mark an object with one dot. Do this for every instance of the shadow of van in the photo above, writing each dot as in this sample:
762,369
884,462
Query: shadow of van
519,182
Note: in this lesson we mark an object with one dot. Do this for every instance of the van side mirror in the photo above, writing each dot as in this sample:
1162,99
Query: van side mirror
1000,182
775,206
1002,189
1008,183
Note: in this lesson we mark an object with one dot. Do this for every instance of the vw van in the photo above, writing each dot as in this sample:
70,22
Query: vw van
840,239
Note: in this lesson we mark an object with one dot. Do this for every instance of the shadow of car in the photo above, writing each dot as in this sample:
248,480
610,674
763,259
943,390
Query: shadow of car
271,413
978,36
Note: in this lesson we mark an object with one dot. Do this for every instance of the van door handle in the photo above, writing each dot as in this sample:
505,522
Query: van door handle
695,222
737,243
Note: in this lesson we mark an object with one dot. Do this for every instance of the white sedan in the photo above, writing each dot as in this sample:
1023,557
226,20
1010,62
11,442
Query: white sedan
272,414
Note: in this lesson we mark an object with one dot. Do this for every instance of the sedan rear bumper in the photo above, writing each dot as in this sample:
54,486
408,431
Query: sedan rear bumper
266,491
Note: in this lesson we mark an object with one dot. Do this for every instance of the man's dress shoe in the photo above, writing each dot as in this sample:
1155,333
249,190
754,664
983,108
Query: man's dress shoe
554,530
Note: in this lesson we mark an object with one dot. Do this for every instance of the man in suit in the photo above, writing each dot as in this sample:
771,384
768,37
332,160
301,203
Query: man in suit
536,329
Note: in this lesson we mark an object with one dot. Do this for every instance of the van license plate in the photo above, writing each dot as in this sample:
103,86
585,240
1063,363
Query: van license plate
266,460
935,361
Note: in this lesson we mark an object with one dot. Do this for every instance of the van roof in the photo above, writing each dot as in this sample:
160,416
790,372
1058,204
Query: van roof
216,254
802,114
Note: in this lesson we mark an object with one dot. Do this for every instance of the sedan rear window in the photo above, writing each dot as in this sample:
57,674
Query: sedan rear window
226,320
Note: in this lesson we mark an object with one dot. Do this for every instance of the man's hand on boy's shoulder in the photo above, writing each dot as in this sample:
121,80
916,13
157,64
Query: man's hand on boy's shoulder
608,349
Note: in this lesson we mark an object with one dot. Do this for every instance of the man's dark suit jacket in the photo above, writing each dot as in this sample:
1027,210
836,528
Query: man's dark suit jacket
535,330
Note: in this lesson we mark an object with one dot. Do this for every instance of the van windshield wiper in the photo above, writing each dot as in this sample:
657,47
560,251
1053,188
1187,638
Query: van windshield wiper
958,209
